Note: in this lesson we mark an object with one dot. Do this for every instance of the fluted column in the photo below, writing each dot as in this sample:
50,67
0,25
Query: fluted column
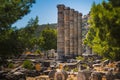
67,31
80,34
60,29
71,32
75,33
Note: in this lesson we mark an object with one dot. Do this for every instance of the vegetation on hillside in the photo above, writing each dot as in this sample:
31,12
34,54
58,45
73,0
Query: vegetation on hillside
32,39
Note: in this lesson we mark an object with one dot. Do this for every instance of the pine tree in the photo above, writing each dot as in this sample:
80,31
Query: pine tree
103,36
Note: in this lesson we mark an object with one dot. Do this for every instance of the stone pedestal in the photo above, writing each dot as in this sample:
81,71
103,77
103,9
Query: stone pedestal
83,75
58,75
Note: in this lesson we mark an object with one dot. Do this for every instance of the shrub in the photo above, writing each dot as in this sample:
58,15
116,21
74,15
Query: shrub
75,69
80,58
10,65
66,68
28,64
37,51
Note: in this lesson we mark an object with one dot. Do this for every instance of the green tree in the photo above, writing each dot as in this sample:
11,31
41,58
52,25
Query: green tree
103,36
10,12
48,38
27,35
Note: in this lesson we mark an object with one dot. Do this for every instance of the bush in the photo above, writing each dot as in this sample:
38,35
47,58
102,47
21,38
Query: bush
66,68
37,51
80,58
28,64
75,69
10,65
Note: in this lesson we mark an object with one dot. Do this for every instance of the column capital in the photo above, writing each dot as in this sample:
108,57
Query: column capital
67,11
75,13
67,8
80,14
60,6
72,10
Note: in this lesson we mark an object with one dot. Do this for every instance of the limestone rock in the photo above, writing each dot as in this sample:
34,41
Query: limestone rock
96,76
83,75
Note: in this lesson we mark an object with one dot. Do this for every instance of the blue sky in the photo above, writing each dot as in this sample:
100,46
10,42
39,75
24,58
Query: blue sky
46,10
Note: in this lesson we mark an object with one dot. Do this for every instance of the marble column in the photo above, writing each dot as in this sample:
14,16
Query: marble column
75,33
60,29
80,34
67,31
71,32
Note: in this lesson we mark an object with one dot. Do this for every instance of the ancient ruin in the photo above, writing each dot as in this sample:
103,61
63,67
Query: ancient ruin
69,38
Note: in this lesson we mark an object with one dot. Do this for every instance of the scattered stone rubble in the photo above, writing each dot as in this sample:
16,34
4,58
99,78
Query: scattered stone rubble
92,68
12,76
100,70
